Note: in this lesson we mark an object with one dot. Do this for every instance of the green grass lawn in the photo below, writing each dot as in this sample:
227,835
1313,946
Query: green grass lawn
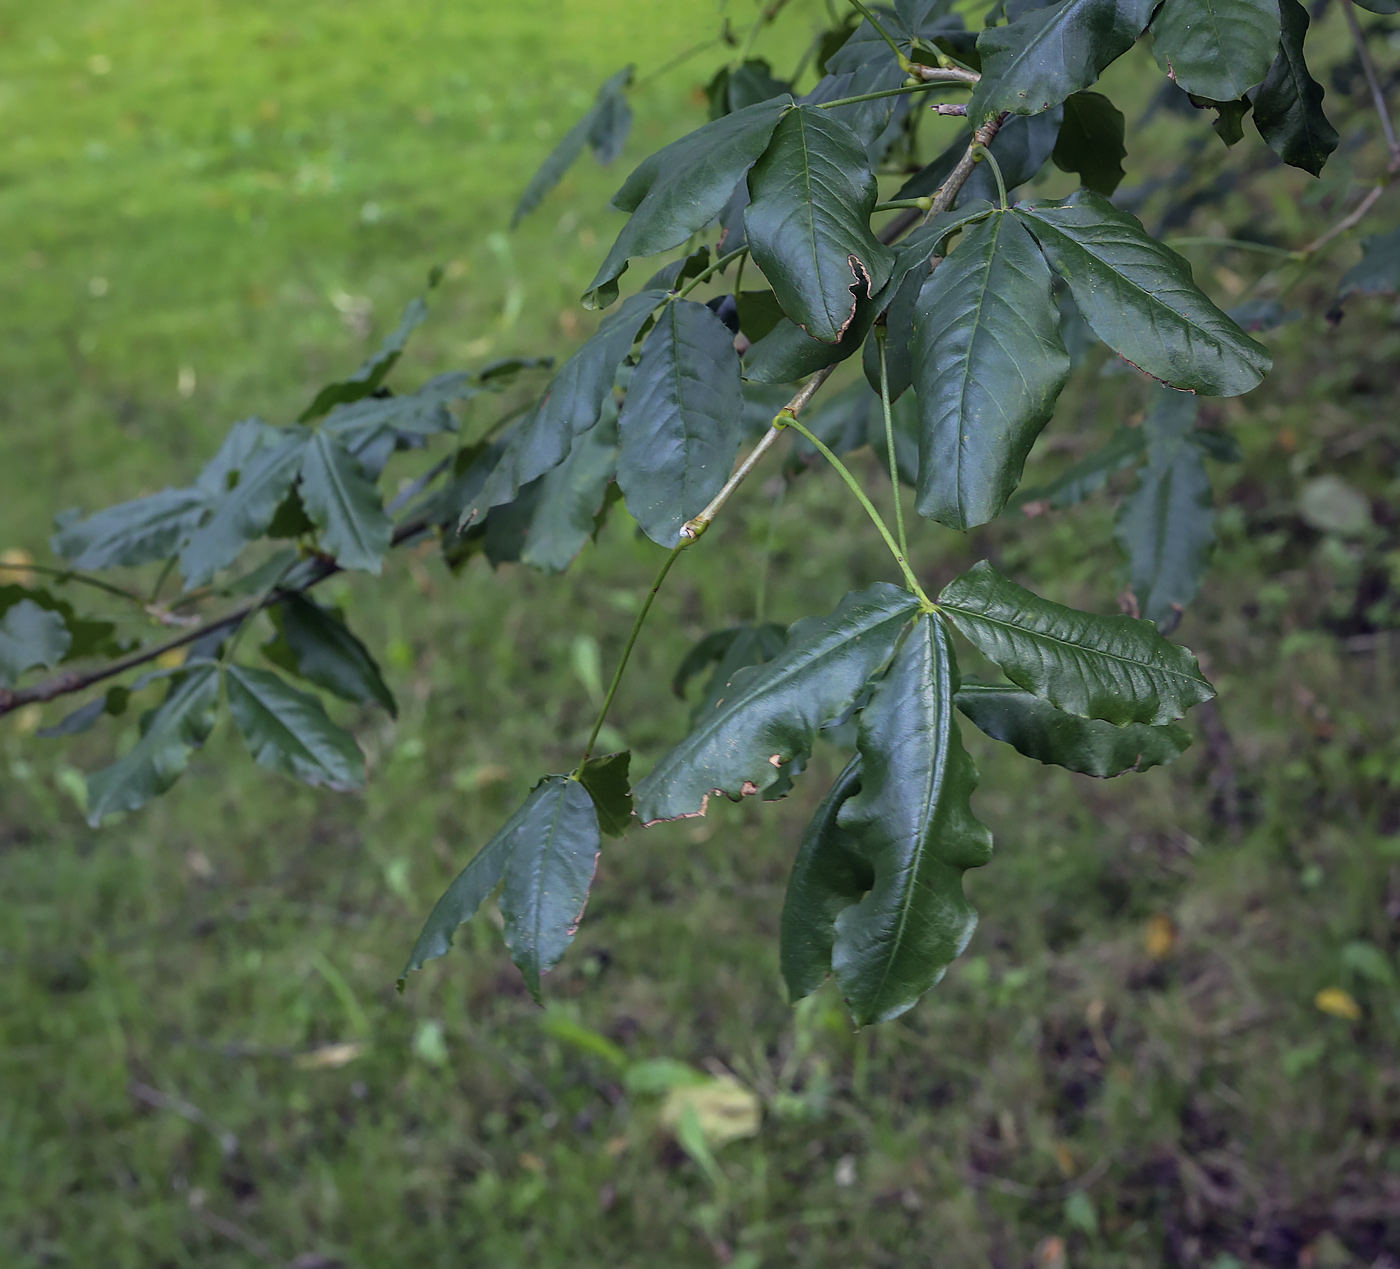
205,211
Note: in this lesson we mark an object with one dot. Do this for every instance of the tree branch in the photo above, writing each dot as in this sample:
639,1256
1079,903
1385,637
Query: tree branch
1368,67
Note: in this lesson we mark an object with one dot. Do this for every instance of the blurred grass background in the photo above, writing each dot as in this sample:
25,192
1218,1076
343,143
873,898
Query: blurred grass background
206,210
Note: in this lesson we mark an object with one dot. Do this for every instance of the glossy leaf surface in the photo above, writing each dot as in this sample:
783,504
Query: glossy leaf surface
316,644
808,222
1114,668
547,875
988,365
912,820
682,421
1090,142
725,653
1139,298
771,712
570,497
1216,48
1088,745
287,730
609,785
680,189
1288,104
344,505
1046,54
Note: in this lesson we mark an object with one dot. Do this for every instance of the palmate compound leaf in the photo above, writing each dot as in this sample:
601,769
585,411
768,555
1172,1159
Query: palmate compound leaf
344,504
771,712
572,404
31,637
1037,729
1218,49
288,731
808,222
680,189
605,127
1288,104
1048,53
316,644
546,852
181,723
988,366
682,422
1115,668
1138,297
912,819
136,532
1166,526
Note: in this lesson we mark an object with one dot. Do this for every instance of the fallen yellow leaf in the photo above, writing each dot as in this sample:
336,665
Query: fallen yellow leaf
1160,938
330,1056
724,1109
14,568
1339,1003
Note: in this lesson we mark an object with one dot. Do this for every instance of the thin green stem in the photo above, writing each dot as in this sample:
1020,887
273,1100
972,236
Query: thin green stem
683,56
898,204
69,575
760,602
1237,244
243,626
739,278
719,266
875,517
879,30
979,152
166,569
881,336
888,92
627,650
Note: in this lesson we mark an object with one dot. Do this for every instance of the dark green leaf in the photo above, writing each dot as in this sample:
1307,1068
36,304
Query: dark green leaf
31,638
1138,297
843,421
1378,272
1090,473
1022,147
547,875
87,637
1229,118
366,380
1114,668
913,821
988,365
1047,54
682,421
874,123
612,133
244,512
1040,731
1216,48
287,730
679,190
705,652
1167,524
112,703
421,413
731,651
316,644
772,712
344,505
829,875
907,431
670,277
243,440
607,782
181,723
808,222
572,404
787,353
1380,6
753,82
759,312
570,498
137,532
1090,142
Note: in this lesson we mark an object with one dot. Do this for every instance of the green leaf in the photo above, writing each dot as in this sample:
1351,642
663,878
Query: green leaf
913,821
421,413
180,724
1229,118
572,404
750,83
829,875
808,222
612,128
31,638
316,644
131,533
1049,735
1380,6
729,651
1115,668
988,365
787,353
344,505
1022,146
244,512
682,421
366,380
86,637
570,497
547,875
680,189
1378,272
1090,142
1216,48
111,703
1045,55
759,313
243,440
287,730
1138,297
771,712
1166,525
607,782
1090,473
